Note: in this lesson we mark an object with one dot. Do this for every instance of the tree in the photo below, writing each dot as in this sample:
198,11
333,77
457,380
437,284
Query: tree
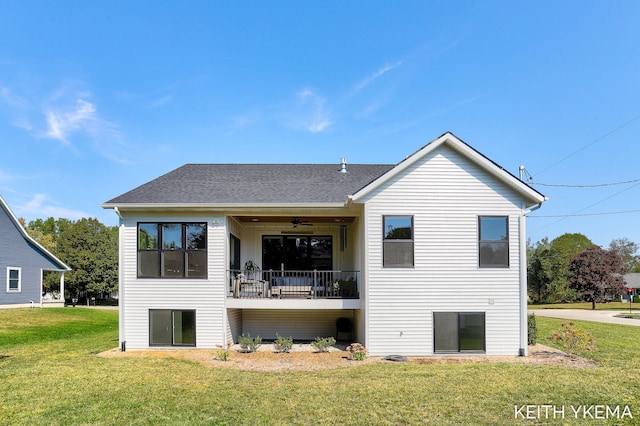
47,233
91,250
597,273
548,268
538,272
628,252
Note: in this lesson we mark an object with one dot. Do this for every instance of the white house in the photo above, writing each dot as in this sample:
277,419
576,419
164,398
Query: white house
422,257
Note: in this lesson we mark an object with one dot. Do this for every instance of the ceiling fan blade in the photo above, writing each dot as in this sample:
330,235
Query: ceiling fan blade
295,222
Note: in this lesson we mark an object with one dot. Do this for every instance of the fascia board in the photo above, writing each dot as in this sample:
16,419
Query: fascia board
213,206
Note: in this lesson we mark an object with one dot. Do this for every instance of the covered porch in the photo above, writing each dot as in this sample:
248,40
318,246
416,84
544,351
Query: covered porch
293,257
51,296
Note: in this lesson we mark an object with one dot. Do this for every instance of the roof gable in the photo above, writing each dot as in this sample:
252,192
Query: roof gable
33,243
450,140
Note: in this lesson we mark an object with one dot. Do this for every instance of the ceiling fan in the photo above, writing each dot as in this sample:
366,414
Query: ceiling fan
295,222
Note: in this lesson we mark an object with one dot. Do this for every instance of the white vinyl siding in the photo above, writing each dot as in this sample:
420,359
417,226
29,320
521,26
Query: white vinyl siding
301,324
206,296
445,193
234,325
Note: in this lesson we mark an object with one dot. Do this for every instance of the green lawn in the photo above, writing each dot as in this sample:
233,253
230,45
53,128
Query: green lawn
50,374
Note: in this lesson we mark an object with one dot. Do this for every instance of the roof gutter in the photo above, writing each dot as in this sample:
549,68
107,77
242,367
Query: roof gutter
535,207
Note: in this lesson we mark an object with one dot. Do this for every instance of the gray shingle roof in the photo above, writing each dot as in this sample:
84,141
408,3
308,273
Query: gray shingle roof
254,184
632,280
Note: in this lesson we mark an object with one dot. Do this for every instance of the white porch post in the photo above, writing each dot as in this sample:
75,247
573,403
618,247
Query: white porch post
62,287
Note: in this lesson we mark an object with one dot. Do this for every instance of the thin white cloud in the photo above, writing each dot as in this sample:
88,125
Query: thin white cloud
41,206
370,109
4,176
161,101
22,123
61,122
81,117
306,111
247,119
11,99
396,127
312,112
380,72
69,116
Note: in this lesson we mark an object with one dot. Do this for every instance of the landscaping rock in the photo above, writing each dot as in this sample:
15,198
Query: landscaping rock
396,358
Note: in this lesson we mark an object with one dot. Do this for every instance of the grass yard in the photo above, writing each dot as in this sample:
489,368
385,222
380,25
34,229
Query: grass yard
50,374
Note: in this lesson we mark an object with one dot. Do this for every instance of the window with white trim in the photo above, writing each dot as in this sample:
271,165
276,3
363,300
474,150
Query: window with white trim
14,280
397,244
493,241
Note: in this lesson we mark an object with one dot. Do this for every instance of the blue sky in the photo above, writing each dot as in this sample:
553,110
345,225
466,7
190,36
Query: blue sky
99,97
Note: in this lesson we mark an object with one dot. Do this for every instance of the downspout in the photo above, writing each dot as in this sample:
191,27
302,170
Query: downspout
115,209
524,341
364,276
524,329
121,293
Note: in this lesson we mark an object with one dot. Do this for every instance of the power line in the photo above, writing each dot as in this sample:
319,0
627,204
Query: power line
578,213
585,214
590,143
598,185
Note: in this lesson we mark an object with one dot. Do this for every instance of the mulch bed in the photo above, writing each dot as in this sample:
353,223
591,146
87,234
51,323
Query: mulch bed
302,359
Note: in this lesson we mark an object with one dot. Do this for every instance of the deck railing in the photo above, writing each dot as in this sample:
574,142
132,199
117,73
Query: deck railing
293,284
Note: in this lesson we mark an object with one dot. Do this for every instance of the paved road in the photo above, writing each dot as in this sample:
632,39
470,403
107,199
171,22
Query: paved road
587,315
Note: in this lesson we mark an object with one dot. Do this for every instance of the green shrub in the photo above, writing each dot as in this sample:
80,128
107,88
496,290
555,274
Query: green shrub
223,355
248,343
323,344
282,344
573,340
532,335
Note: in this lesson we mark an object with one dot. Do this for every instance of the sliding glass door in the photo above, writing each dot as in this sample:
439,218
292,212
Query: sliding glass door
459,331
297,253
172,327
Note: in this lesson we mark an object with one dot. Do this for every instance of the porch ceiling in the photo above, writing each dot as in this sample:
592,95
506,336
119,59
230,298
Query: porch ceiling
312,220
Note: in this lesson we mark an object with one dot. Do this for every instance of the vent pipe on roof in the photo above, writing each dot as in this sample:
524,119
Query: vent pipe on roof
343,165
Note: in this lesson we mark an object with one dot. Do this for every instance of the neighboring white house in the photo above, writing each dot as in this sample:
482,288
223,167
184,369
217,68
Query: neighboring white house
425,256
22,263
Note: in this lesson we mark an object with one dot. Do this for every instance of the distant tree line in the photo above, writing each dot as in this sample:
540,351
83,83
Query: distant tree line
571,268
87,246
